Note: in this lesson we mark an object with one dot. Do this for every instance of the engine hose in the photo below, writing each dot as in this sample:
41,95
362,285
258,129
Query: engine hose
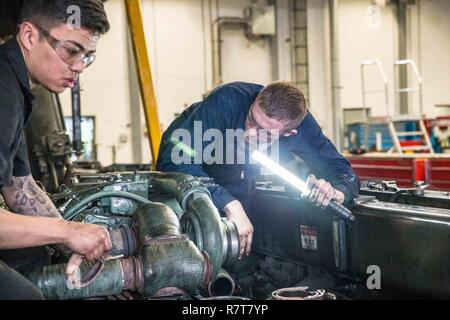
155,220
195,198
397,194
124,242
168,200
53,283
174,263
72,212
166,259
222,285
212,237
169,259
180,185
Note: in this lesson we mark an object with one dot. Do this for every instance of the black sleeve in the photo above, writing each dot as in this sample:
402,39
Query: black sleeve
8,127
21,164
325,161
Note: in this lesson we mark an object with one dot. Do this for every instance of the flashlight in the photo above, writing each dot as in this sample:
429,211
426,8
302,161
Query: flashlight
299,184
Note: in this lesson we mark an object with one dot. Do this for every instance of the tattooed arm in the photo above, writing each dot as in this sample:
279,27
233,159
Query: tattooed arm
36,225
24,196
19,231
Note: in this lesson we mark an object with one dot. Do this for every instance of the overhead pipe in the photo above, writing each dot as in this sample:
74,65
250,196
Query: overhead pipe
335,77
216,40
77,143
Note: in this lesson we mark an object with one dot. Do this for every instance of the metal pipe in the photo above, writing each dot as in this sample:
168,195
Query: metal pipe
210,224
168,201
155,220
216,39
180,185
403,102
222,285
124,242
201,219
72,212
77,143
335,77
53,283
409,212
167,260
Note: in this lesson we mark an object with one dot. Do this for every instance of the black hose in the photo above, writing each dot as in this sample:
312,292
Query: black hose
396,195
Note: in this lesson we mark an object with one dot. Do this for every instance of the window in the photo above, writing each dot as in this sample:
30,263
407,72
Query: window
87,136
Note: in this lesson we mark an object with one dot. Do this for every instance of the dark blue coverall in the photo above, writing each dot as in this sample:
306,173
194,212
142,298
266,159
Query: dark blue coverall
226,108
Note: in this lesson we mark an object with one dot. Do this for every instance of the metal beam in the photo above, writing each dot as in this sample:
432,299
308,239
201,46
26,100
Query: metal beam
144,72
335,75
402,54
135,107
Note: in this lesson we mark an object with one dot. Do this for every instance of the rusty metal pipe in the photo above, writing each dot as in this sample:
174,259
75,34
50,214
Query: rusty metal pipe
222,285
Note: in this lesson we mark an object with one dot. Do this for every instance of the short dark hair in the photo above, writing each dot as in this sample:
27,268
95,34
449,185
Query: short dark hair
283,101
51,13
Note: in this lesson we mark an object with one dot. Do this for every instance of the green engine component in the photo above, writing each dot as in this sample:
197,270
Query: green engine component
52,281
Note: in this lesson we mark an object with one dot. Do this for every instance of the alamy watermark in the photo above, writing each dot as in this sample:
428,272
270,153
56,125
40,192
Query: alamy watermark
374,280
214,146
74,19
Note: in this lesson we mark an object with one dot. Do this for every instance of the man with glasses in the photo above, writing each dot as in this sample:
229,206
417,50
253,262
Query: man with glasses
276,113
49,52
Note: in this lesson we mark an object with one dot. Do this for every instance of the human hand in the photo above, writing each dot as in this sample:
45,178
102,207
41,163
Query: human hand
88,240
236,213
322,192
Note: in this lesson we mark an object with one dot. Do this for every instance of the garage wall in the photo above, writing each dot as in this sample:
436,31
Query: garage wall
428,37
430,47
180,50
180,43
180,53
361,37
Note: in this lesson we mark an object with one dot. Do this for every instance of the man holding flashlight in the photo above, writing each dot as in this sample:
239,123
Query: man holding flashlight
276,113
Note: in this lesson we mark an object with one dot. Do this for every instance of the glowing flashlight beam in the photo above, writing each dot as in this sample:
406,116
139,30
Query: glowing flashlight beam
278,170
296,182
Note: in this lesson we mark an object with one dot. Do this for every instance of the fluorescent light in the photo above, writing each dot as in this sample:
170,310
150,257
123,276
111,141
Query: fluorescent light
278,170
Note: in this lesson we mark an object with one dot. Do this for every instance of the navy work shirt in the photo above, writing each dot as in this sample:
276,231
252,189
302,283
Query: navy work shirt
227,108
15,107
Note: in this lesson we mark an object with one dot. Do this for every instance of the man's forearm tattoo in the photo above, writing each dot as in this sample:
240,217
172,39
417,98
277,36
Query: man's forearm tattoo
31,200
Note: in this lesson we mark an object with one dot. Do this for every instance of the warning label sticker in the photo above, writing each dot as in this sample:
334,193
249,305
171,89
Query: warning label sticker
309,238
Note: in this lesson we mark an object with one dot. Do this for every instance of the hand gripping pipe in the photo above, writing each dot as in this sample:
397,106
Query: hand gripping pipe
166,260
219,238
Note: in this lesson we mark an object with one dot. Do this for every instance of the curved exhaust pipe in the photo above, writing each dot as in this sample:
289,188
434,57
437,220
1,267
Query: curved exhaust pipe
201,219
166,260
53,282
